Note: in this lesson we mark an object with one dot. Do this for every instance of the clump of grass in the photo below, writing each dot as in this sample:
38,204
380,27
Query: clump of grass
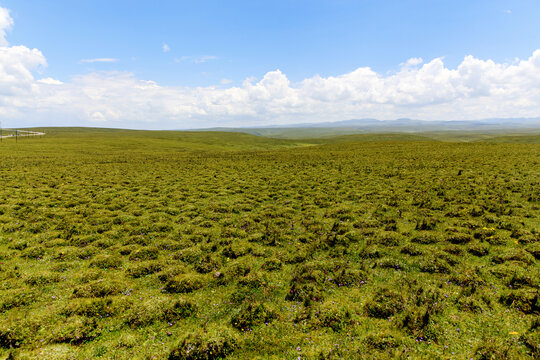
272,264
185,283
252,315
333,316
385,303
143,269
459,238
524,300
180,309
217,343
144,253
98,288
106,262
76,330
492,349
519,255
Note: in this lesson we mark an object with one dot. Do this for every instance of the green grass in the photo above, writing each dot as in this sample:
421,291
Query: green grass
120,244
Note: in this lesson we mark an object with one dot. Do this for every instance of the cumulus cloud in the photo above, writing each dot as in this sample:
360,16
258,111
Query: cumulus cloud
166,48
6,22
50,81
476,88
98,60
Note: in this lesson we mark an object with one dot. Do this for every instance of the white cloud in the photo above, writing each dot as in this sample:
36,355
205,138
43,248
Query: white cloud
225,81
430,90
204,58
6,22
50,81
196,59
166,48
98,60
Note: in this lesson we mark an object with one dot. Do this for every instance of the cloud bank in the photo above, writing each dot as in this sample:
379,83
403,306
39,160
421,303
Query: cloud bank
424,90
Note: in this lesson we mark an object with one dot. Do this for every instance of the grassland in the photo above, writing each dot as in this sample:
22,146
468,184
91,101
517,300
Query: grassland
122,244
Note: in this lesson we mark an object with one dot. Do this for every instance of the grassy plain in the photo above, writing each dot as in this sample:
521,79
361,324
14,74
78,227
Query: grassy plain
120,244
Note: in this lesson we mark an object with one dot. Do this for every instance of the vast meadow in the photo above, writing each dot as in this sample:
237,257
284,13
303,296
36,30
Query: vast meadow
119,244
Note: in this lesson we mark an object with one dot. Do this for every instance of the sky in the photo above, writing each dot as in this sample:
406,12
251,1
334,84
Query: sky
193,64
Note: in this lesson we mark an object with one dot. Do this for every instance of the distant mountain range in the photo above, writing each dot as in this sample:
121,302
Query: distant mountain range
358,126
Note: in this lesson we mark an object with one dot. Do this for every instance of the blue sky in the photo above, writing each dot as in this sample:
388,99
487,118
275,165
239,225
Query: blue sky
222,43
249,38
